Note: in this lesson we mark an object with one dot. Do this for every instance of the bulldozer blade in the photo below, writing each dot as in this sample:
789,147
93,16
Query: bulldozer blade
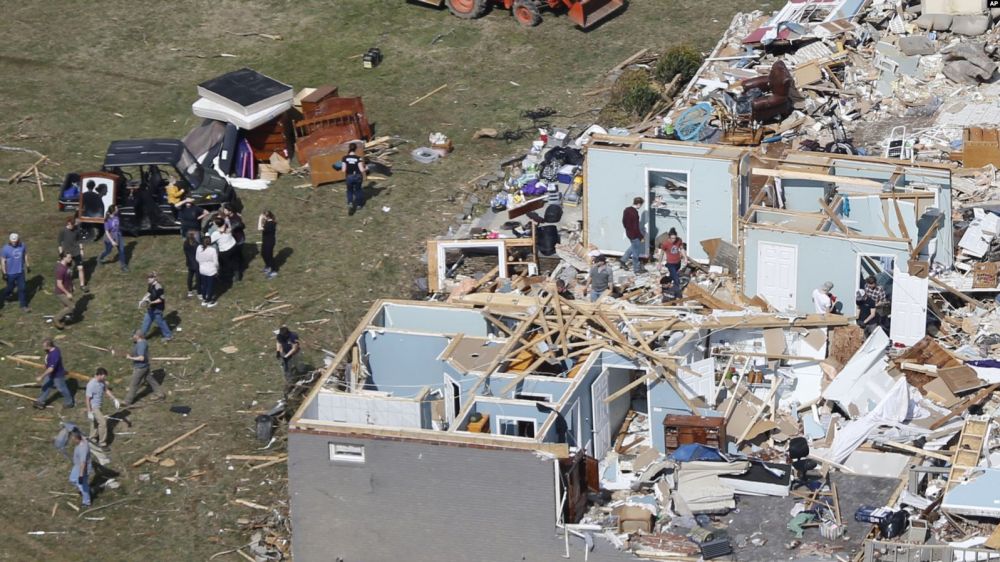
586,13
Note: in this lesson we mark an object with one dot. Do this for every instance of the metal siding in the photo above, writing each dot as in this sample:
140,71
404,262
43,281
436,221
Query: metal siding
422,502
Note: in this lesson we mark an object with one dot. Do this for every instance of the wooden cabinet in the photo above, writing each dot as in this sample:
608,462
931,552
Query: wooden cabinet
682,430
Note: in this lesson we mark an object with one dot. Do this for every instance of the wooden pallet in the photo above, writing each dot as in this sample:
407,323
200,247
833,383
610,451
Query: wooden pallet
968,450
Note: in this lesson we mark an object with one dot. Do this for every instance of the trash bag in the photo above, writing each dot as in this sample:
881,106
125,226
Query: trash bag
546,238
553,213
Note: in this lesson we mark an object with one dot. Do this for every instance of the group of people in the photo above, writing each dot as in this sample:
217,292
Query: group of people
871,301
53,377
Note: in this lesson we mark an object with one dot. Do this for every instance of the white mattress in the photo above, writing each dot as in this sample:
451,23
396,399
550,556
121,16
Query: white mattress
211,110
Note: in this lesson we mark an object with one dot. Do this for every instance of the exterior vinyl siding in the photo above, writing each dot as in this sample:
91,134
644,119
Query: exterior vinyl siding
420,502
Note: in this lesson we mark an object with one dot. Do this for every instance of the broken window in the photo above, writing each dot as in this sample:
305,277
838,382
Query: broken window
347,452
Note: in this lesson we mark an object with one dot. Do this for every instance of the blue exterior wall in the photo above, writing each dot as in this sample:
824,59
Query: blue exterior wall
815,256
615,176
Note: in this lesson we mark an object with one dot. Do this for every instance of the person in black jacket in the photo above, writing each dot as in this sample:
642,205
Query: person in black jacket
190,247
238,229
269,233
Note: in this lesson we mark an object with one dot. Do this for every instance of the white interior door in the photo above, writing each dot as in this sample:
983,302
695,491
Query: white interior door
909,308
451,399
602,423
777,274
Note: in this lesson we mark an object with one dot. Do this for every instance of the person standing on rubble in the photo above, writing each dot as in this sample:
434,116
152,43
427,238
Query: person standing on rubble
823,300
633,231
599,279
97,389
355,172
14,265
673,256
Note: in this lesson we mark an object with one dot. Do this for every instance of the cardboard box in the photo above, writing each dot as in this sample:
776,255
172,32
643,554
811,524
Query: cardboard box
633,519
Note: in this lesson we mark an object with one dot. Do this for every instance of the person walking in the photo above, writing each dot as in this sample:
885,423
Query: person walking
140,370
83,466
54,376
71,243
13,265
113,238
224,241
355,172
156,304
207,259
633,231
673,255
599,279
268,226
286,349
97,389
64,291
190,259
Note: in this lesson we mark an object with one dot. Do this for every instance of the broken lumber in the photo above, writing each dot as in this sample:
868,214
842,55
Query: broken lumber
254,457
152,457
19,395
269,463
251,504
26,363
261,312
427,95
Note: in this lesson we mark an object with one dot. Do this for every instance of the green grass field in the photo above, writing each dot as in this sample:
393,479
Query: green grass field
76,75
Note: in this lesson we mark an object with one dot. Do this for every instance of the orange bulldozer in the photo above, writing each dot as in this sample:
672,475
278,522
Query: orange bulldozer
584,13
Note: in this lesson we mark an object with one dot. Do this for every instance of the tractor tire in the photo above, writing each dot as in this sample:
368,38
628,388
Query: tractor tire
468,9
526,13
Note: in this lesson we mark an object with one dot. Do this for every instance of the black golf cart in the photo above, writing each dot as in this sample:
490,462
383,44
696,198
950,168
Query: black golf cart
135,176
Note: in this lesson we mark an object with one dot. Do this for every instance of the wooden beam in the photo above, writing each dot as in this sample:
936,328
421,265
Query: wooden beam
926,238
26,363
781,356
12,393
902,224
829,178
152,457
833,216
955,291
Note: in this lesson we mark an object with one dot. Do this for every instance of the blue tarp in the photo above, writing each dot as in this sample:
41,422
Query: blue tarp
696,452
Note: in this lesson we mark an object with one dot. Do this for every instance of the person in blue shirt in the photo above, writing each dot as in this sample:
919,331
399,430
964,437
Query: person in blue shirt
13,265
54,375
83,466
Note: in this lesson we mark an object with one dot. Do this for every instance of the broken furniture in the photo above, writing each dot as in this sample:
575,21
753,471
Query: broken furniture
321,170
683,430
328,123
778,84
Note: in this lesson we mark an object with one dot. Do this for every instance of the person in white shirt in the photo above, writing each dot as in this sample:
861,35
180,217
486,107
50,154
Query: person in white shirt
208,268
226,243
824,302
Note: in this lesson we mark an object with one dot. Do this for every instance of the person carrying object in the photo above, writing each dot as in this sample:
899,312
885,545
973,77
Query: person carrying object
71,243
673,257
54,376
824,302
97,389
13,266
633,231
83,466
355,172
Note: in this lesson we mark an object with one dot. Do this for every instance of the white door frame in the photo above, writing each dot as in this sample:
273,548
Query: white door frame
449,399
597,404
648,192
862,255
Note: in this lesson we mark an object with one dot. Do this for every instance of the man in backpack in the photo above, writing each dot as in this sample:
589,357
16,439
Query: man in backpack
355,171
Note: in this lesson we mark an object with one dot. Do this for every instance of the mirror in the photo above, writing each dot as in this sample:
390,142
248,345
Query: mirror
97,195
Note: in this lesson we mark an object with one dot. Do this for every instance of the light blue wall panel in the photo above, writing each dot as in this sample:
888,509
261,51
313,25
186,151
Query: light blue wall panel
435,320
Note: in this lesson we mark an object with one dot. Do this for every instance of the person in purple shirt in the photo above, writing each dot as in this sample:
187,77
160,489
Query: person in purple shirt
13,266
113,237
54,375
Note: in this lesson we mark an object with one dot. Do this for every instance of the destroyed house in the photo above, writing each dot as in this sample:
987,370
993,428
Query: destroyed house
437,421
696,189
868,216
790,217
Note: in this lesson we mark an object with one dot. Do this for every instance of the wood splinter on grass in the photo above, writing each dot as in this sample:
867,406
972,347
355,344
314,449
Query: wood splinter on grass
427,95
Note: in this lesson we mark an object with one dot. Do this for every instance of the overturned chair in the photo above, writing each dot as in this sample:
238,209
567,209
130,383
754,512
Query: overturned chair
773,97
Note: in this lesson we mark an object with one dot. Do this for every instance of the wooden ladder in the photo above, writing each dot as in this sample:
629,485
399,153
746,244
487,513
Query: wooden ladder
969,448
